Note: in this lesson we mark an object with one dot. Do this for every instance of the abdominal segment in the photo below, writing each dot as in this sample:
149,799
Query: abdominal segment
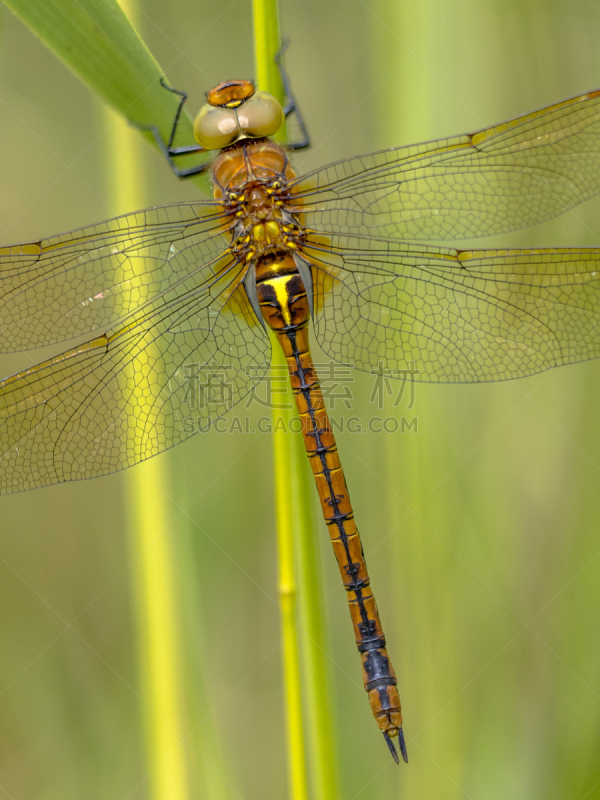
285,308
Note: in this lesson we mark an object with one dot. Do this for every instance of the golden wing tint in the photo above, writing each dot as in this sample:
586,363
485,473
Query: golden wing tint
185,354
89,279
455,316
499,179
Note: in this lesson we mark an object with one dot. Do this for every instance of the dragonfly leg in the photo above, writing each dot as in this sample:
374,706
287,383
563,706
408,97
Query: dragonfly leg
167,149
290,106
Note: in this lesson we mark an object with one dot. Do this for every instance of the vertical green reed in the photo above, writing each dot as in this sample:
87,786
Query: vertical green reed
154,562
313,635
307,697
267,42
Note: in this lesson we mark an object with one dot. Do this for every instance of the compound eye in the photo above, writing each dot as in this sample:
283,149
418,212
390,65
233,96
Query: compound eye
215,128
260,115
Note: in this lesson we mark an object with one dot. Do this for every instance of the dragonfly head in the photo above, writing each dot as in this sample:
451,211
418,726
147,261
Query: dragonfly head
235,110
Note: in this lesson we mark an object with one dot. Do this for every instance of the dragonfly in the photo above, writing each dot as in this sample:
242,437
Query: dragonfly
190,293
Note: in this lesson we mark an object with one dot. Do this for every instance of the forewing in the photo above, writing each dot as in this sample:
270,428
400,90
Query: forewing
138,390
455,316
499,179
90,279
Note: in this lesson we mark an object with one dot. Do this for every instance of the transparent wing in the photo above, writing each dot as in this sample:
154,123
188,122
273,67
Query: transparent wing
136,391
499,179
89,279
455,316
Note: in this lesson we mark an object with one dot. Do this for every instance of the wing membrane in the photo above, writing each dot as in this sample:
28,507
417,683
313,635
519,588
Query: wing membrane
183,345
134,392
455,316
499,179
90,279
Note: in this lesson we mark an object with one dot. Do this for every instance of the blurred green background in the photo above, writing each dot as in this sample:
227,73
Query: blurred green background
481,531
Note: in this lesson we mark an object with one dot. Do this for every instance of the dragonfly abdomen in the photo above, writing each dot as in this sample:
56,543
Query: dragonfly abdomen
285,307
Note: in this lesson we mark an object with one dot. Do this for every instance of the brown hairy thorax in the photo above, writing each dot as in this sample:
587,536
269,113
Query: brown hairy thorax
251,178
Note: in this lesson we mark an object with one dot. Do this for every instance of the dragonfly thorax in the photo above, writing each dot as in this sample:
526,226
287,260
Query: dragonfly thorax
251,179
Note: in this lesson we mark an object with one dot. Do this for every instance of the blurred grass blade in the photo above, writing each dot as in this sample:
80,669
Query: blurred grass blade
151,547
159,642
172,649
97,42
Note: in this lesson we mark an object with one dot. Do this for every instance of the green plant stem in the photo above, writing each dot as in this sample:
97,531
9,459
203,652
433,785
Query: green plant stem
313,636
298,548
288,597
267,42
